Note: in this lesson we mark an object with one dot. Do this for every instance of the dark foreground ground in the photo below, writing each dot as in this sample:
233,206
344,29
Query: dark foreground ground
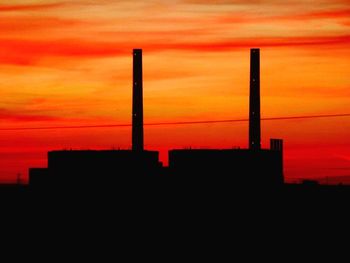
163,196
214,222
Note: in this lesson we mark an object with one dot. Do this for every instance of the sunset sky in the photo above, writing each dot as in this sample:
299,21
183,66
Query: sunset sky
69,62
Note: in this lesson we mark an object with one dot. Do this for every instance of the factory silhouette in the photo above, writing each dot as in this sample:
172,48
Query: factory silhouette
194,168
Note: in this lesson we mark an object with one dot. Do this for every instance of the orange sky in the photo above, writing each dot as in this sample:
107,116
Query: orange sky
65,62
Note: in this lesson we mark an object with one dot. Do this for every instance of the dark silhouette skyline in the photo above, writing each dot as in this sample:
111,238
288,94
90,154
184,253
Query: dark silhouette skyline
68,78
71,65
106,168
190,170
246,167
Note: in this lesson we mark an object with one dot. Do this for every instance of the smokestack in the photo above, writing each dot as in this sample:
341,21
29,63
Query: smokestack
137,102
254,100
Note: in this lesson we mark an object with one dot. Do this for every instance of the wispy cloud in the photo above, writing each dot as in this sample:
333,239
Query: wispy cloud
32,25
235,44
27,40
10,115
30,52
29,7
260,2
301,16
226,2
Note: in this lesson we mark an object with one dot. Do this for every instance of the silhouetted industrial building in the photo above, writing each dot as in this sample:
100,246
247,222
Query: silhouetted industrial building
277,145
250,167
39,176
104,167
238,166
227,167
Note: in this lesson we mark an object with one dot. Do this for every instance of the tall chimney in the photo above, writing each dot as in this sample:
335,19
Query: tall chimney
137,102
254,100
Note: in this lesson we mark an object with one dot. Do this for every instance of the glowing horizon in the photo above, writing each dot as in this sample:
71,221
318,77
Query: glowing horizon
65,63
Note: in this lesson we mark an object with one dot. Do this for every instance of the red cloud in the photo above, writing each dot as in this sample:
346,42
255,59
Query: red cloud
224,2
11,24
251,2
236,44
248,18
26,52
343,13
30,52
8,8
340,14
9,115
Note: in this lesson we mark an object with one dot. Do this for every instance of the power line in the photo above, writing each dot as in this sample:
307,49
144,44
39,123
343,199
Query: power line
174,123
